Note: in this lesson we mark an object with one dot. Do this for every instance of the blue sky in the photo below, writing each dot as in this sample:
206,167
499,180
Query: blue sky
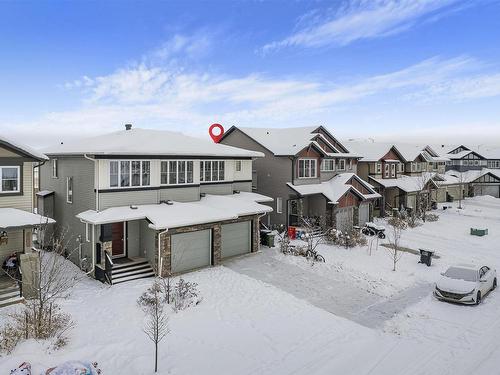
407,69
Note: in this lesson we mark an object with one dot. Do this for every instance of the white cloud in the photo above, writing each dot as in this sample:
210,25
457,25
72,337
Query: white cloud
364,19
163,97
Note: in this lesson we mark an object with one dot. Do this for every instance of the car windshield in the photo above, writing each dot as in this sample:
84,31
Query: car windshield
458,273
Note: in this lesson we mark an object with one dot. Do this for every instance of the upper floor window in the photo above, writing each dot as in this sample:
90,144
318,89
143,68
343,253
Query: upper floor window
279,205
307,168
54,168
69,189
328,165
237,166
378,167
341,165
176,172
349,164
212,170
10,179
393,170
125,173
386,170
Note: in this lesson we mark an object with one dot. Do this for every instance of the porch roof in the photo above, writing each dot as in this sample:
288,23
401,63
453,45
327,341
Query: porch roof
335,188
12,218
209,209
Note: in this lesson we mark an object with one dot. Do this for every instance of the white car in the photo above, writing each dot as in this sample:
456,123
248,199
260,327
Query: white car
466,284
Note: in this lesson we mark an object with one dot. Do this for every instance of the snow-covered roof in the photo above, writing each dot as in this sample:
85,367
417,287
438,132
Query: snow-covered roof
368,150
335,188
489,152
209,209
44,193
456,177
22,148
288,141
408,184
13,218
148,142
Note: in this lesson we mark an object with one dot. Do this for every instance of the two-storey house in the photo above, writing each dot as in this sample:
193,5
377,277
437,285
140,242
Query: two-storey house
17,219
308,173
138,202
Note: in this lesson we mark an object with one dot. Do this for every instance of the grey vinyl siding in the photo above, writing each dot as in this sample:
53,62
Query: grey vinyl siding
185,194
127,197
242,186
82,171
273,173
217,189
15,244
148,241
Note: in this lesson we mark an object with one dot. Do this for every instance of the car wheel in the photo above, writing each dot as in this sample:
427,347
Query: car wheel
494,284
478,298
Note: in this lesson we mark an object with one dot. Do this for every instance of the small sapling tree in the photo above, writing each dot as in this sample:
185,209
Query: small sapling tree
397,224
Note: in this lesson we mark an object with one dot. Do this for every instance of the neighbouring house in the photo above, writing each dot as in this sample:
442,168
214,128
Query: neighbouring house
17,220
471,183
399,172
461,158
138,202
492,154
308,173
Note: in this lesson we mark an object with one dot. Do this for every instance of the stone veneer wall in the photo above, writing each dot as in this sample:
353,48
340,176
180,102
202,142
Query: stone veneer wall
165,242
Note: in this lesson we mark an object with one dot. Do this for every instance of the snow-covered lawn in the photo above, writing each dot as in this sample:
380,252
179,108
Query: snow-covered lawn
247,326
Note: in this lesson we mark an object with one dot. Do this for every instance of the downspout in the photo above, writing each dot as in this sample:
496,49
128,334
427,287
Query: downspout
96,168
159,251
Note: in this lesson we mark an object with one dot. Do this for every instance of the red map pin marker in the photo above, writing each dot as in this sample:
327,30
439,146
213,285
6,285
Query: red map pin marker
216,131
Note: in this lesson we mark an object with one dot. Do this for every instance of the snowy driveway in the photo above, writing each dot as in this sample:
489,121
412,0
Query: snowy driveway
338,292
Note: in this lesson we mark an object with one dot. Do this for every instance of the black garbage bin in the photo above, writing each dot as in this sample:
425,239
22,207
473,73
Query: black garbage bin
426,256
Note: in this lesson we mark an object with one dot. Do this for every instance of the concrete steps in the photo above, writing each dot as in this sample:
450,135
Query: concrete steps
136,269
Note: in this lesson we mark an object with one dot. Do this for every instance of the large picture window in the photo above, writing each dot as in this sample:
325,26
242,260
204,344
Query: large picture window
126,173
10,179
176,172
307,168
212,170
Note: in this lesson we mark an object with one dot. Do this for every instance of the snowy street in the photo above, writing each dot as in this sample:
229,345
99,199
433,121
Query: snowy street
273,314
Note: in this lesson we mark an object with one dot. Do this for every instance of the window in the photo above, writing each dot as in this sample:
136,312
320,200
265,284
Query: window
176,172
54,168
341,165
307,168
386,170
279,205
10,179
212,170
237,166
413,167
125,173
393,170
69,189
349,164
378,167
328,165
400,167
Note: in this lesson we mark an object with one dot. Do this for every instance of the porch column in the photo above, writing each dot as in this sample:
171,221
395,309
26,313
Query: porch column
217,244
165,253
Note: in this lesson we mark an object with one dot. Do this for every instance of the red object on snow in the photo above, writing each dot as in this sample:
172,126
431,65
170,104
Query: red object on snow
292,232
216,135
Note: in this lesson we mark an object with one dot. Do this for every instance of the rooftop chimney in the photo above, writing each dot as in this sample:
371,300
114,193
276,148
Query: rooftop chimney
128,126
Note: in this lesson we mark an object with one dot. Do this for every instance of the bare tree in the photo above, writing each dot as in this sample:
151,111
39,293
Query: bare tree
423,195
152,302
49,280
397,224
461,182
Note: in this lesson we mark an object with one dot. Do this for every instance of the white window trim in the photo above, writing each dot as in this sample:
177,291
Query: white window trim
55,163
87,232
341,165
378,168
68,199
279,205
393,170
387,171
177,179
349,164
18,179
202,171
331,162
238,165
130,174
311,160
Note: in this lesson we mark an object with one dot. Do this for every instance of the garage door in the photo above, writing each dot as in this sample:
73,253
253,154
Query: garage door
191,250
236,239
364,214
344,219
492,190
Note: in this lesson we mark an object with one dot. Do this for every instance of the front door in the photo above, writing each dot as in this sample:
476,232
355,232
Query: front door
117,238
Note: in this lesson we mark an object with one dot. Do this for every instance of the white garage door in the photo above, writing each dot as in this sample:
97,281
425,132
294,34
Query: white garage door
236,239
493,190
191,250
344,219
364,214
